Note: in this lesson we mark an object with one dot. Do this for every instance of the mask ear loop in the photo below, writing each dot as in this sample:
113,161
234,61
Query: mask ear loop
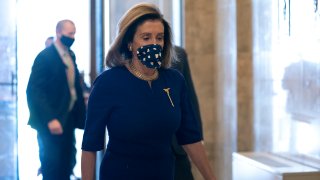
130,47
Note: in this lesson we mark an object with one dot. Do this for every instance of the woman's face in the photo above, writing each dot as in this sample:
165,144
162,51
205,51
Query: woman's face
149,32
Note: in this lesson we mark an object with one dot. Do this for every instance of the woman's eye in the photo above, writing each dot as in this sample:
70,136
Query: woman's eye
160,39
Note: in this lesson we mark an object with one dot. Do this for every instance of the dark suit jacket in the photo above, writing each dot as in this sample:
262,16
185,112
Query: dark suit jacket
48,92
182,164
182,66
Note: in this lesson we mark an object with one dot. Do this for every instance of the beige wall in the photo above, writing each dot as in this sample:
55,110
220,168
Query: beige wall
219,38
211,44
256,76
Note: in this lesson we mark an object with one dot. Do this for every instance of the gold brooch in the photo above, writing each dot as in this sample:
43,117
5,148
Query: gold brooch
167,90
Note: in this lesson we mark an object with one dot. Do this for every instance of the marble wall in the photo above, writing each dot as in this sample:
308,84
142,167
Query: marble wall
210,31
256,76
223,39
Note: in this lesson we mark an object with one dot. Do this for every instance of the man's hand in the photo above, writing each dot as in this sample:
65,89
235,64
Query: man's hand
55,127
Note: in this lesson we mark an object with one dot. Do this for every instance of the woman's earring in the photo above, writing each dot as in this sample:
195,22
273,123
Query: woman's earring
130,48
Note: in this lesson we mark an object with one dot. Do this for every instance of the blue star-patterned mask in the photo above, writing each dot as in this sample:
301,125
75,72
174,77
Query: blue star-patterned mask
150,55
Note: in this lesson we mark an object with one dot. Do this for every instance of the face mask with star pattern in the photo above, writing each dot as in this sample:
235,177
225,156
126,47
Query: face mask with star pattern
150,55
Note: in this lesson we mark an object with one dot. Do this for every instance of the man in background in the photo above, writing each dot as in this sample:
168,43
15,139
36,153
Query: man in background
56,104
49,41
182,163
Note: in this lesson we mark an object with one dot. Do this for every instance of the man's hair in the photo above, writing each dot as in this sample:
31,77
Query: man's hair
61,23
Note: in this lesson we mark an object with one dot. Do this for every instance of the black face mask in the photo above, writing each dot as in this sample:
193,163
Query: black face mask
67,41
150,55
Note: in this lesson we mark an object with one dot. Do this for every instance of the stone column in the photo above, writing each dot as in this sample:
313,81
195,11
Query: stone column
210,40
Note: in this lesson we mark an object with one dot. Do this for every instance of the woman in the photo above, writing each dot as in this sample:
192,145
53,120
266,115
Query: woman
142,103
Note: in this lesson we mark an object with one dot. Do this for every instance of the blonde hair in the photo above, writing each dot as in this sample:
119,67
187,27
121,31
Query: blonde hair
119,54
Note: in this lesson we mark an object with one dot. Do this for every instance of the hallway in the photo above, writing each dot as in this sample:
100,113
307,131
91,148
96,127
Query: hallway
255,67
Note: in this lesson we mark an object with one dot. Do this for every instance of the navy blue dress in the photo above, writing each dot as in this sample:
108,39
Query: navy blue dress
140,122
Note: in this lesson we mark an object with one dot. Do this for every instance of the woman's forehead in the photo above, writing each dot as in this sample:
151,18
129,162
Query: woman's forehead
150,26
